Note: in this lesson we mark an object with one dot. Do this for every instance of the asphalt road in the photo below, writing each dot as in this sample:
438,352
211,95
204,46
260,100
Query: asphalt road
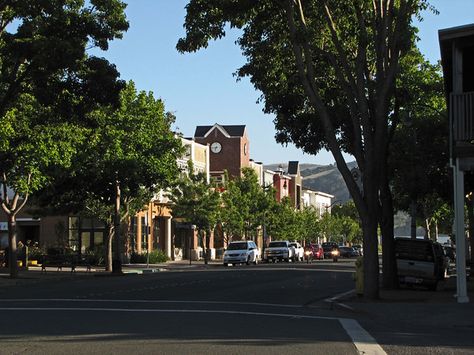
269,308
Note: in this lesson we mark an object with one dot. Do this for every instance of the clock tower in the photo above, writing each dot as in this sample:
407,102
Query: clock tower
229,148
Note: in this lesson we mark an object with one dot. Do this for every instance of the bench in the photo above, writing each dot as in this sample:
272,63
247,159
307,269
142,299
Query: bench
59,261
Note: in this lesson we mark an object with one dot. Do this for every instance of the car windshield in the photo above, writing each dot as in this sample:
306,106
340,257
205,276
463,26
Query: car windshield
277,244
293,244
237,246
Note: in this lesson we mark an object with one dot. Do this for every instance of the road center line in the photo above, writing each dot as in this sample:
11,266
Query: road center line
80,300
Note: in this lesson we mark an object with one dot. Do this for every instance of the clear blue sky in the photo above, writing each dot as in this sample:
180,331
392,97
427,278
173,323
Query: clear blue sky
200,88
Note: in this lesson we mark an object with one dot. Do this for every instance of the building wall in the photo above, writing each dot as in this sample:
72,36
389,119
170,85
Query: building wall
319,200
282,186
258,168
233,156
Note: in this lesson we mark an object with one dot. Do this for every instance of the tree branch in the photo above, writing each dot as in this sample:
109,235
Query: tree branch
311,90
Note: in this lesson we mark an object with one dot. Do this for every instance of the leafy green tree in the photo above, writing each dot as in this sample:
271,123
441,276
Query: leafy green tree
328,70
245,205
282,221
129,155
349,229
197,202
348,218
328,228
308,224
419,157
235,210
347,209
246,202
48,83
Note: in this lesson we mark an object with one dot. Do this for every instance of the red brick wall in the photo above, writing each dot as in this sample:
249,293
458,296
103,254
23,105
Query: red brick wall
231,157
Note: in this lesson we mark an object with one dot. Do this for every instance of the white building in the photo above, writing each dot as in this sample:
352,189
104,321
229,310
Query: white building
321,201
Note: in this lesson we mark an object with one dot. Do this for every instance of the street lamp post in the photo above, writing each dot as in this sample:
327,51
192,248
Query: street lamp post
327,207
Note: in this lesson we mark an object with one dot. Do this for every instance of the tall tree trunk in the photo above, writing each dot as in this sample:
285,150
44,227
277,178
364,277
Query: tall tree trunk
128,243
204,244
12,252
117,255
208,246
370,245
389,264
428,228
108,249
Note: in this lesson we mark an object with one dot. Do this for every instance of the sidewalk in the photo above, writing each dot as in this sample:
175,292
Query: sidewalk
416,306
444,294
34,274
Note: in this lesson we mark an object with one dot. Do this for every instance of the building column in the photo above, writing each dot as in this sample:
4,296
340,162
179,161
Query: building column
168,243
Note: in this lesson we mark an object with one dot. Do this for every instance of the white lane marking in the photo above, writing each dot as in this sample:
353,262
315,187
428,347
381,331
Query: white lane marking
141,310
150,301
363,341
334,300
338,296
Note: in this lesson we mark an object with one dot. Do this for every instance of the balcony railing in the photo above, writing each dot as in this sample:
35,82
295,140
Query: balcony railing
462,117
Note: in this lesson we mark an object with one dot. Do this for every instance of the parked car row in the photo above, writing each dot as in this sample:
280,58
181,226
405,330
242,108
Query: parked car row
247,252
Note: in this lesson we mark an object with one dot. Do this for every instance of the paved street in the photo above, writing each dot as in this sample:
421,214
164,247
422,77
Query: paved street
268,308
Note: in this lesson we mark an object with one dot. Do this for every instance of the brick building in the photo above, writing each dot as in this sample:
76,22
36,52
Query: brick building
229,148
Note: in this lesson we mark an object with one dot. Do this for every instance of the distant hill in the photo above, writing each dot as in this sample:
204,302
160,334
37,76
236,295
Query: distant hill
324,178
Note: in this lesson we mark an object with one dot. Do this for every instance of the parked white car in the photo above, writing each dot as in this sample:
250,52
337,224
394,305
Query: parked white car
298,251
239,252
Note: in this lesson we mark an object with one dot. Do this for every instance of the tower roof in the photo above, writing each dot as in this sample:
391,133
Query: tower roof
227,130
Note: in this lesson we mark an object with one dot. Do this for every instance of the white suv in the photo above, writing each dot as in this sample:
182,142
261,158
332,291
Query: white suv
240,252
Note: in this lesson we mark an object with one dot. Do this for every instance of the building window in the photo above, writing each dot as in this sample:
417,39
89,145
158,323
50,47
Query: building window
89,233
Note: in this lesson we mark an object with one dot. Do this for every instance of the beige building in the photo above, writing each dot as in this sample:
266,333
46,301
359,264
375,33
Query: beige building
154,228
150,229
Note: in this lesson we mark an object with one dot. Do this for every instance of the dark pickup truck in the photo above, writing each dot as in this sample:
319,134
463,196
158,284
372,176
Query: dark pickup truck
420,261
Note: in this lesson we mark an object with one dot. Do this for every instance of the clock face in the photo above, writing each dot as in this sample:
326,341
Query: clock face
216,147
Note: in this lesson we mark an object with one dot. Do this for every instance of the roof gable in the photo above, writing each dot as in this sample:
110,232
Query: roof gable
227,130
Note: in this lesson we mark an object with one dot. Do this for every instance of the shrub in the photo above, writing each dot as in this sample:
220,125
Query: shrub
35,252
96,255
158,256
155,257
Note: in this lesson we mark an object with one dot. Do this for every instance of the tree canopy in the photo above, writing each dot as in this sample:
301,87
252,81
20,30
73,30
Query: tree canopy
48,83
327,70
245,205
129,155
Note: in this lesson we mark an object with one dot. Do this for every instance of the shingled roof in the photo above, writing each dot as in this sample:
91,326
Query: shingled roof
231,130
